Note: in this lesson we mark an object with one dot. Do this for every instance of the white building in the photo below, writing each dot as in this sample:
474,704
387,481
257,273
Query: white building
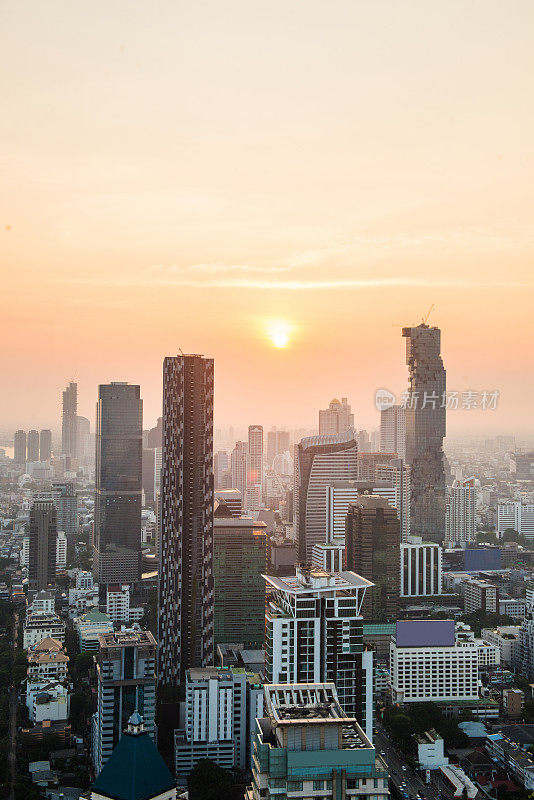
518,516
314,633
393,431
428,665
460,518
61,550
512,607
252,501
43,602
430,750
82,600
220,711
42,626
48,702
480,595
118,606
89,627
84,580
506,638
420,568
329,556
337,418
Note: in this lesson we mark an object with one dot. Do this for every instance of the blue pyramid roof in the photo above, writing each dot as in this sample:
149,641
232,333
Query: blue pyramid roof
134,771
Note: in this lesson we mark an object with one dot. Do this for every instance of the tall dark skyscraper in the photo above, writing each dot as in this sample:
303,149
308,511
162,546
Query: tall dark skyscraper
19,448
42,545
118,487
185,617
33,446
68,421
45,445
425,431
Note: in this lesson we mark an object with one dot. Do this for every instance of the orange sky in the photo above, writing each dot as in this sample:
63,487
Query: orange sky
175,175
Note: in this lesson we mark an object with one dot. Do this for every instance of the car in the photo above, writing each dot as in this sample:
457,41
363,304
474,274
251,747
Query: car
382,753
403,768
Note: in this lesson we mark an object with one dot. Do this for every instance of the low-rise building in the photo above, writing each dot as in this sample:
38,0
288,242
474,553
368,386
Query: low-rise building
42,626
47,661
481,596
506,638
512,758
513,703
89,627
307,746
43,602
430,750
48,702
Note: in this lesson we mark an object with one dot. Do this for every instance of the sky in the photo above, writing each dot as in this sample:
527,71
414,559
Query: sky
189,174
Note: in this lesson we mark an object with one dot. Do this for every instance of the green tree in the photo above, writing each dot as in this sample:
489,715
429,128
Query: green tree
208,781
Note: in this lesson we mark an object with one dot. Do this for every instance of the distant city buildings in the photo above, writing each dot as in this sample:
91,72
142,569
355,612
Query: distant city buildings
118,484
42,545
19,449
239,467
32,446
68,421
255,459
393,431
425,430
185,611
45,445
335,419
372,549
460,520
277,445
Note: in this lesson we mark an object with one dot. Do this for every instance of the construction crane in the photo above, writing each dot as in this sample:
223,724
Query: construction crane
423,321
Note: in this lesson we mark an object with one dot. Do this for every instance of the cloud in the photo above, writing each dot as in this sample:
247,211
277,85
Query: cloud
214,268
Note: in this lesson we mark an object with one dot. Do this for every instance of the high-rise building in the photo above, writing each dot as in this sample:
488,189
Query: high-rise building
425,430
149,472
68,421
33,446
19,453
314,633
517,516
66,503
277,444
460,517
421,572
372,548
239,466
220,466
337,418
45,445
523,465
397,474
185,619
307,746
393,431
239,559
42,545
118,483
255,456
319,460
84,445
126,682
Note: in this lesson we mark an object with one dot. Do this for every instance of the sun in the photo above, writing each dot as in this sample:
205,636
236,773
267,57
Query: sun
279,332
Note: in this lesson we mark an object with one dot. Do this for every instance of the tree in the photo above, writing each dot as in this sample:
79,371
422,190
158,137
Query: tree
208,781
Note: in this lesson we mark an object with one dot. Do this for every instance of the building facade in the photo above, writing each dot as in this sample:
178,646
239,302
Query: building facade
421,568
393,431
68,421
425,430
185,608
42,545
518,516
45,445
335,419
460,520
19,449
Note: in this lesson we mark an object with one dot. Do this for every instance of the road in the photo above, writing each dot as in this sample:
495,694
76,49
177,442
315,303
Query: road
13,704
395,761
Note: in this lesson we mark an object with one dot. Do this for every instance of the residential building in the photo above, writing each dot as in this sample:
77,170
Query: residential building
118,607
425,430
512,607
372,549
84,580
516,515
89,627
513,703
185,610
33,446
507,639
460,518
134,770
50,702
393,431
512,758
19,450
255,457
221,707
42,626
239,467
335,419
481,595
42,545
314,633
61,550
118,483
239,559
420,568
319,461
66,503
47,661
42,602
306,745
126,682
428,665
85,448
45,445
68,422
252,501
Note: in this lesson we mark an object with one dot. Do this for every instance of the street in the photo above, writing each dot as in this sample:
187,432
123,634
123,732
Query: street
395,761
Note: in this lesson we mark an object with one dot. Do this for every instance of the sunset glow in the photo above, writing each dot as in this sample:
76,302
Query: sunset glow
278,332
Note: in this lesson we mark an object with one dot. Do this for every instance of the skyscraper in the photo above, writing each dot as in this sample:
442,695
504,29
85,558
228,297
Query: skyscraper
425,430
33,446
239,559
66,503
83,438
461,511
118,483
45,445
393,431
42,545
337,418
239,464
185,618
372,548
255,456
277,444
20,447
220,466
68,422
319,461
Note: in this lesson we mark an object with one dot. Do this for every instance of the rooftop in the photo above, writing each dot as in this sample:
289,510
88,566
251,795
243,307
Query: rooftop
316,579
